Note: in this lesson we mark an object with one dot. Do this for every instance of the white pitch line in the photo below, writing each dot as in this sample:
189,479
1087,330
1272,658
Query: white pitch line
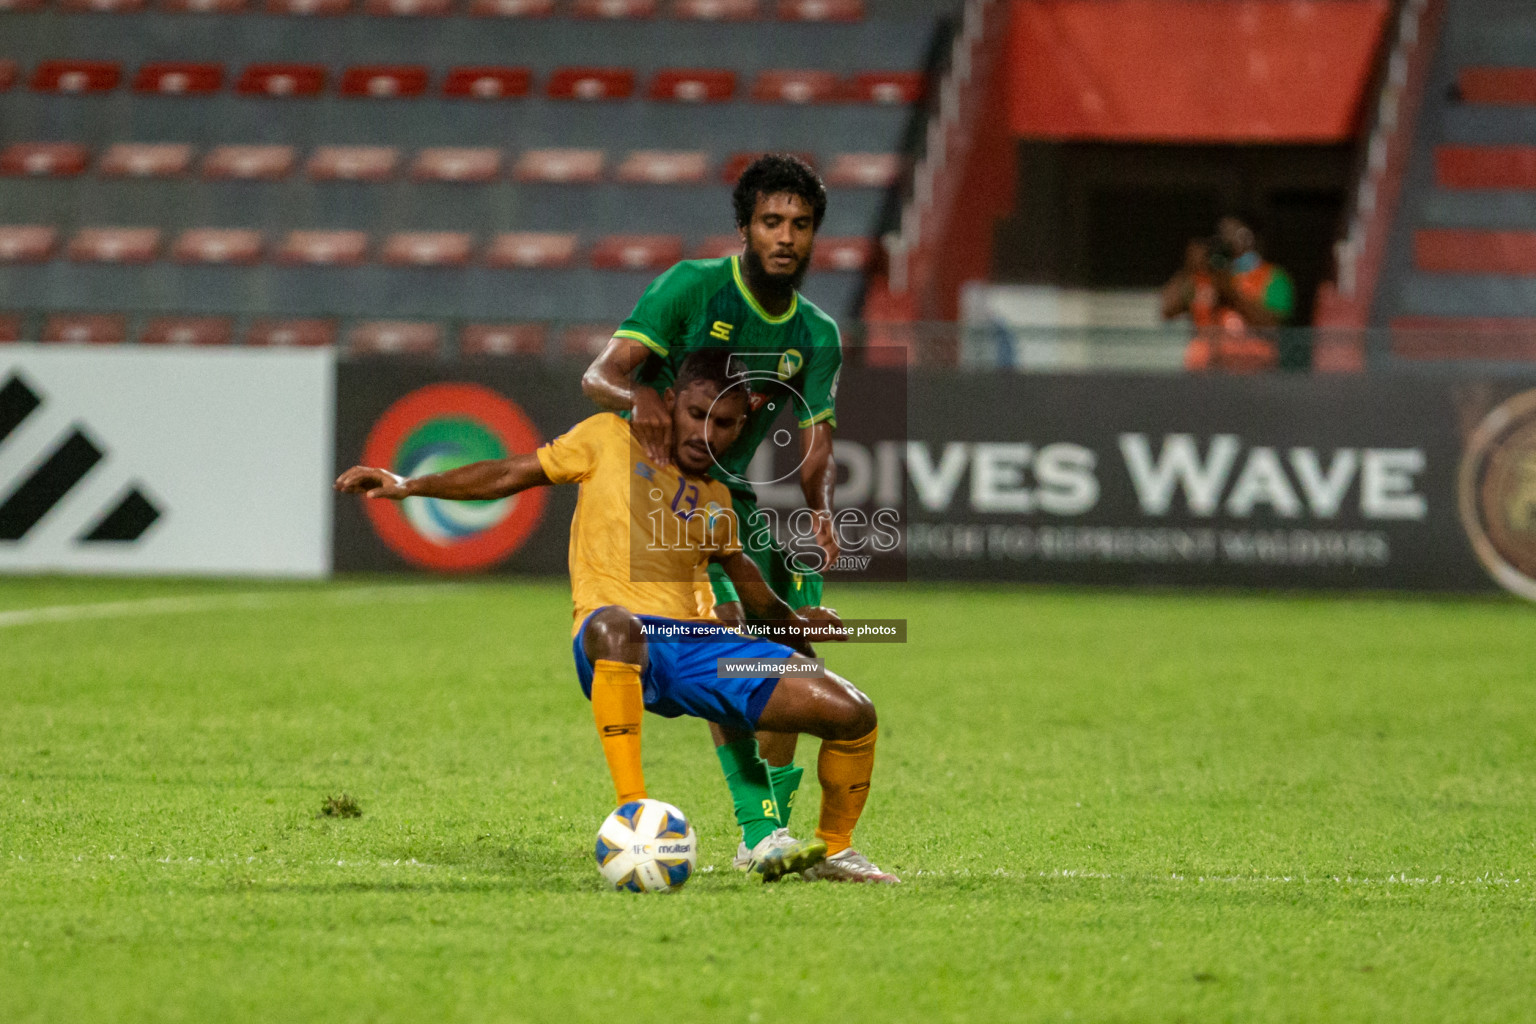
218,602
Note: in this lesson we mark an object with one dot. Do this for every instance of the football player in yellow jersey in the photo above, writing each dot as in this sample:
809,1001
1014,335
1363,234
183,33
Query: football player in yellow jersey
642,539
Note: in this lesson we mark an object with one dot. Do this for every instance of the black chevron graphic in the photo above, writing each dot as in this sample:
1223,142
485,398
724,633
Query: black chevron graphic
16,403
47,485
126,522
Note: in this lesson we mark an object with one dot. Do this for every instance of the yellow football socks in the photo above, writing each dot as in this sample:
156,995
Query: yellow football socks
844,768
617,706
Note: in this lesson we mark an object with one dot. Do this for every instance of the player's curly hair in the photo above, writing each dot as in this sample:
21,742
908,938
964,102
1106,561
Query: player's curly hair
715,366
772,174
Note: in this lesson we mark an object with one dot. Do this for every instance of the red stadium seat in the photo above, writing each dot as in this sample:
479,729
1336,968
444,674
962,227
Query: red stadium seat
317,8
203,6
20,5
658,167
511,8
187,330
7,74
714,10
44,159
251,163
716,247
102,6
1502,86
585,340
291,333
821,10
560,166
591,84
85,329
352,163
531,249
699,86
408,8
488,83
145,160
1469,251
240,246
895,88
282,80
1512,167
395,337
10,328
637,252
76,76
1497,339
864,170
502,339
177,78
795,87
731,170
427,249
324,248
26,243
114,245
384,81
614,8
476,165
841,254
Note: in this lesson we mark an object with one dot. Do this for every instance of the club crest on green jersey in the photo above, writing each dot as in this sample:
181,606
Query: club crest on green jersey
790,363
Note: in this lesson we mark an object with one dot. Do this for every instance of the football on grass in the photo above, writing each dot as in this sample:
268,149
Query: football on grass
647,846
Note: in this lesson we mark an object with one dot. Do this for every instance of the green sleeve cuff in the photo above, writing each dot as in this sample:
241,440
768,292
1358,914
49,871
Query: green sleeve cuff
653,345
825,416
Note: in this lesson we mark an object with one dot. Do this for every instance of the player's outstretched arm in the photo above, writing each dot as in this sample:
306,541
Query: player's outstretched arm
818,479
478,481
759,599
608,383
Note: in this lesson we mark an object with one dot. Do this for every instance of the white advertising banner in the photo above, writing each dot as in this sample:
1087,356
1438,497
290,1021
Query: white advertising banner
143,461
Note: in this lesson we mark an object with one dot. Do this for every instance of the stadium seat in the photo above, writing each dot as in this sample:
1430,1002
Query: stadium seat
864,170
7,74
511,8
85,329
102,6
716,246
187,330
44,159
585,340
614,8
202,6
114,245
731,170
250,163
304,333
427,249
1498,339
656,167
1502,86
281,80
20,5
591,84
408,8
502,339
145,160
384,81
395,337
320,8
637,252
178,78
324,248
76,76
11,327
1466,251
1507,167
476,165
699,86
352,163
795,87
240,246
487,83
715,10
841,254
821,10
27,243
896,88
531,249
560,166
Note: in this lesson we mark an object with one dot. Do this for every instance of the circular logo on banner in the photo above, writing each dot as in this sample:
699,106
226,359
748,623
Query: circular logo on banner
445,426
1497,494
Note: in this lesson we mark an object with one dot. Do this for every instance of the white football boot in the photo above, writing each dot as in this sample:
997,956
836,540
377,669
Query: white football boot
779,854
849,866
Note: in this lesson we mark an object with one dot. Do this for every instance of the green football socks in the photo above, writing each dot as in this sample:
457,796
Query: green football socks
786,782
757,812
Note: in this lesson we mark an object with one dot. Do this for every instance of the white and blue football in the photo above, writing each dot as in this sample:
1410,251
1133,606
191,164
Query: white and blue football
647,846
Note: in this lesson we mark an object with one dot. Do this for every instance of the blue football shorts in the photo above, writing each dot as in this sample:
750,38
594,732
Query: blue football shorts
680,675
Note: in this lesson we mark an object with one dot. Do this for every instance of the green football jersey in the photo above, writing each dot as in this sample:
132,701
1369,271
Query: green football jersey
791,360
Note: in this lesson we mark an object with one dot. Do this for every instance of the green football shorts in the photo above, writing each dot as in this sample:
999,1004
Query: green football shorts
798,589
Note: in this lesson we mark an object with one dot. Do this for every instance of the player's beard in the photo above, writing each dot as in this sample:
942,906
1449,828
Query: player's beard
779,286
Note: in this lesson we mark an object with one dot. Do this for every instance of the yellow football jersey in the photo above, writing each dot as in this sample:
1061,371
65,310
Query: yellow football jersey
642,534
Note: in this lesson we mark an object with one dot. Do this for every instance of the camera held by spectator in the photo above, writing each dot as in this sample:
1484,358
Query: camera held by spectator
1236,299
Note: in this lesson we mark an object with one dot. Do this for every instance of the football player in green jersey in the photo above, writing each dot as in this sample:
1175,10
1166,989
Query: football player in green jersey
792,351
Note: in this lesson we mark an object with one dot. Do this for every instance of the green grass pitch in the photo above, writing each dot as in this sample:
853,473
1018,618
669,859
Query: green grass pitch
1105,806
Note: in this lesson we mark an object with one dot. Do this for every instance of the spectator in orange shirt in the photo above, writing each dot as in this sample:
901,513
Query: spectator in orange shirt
1235,298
